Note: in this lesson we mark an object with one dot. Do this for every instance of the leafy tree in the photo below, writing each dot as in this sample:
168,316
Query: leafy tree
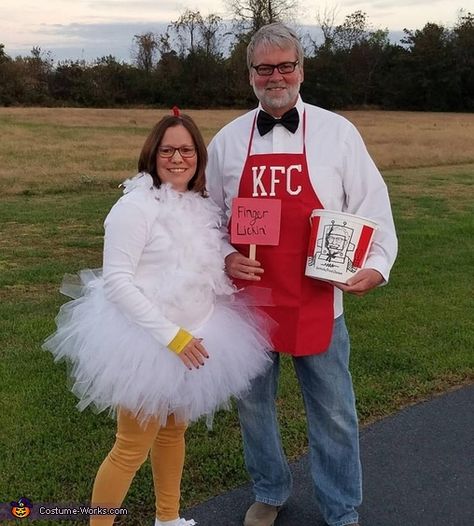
237,90
367,58
195,32
430,68
251,15
169,72
187,29
3,56
113,83
326,21
34,71
7,78
346,67
354,30
191,63
144,51
463,44
211,39
69,83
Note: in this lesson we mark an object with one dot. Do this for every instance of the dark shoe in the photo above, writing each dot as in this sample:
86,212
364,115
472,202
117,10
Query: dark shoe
260,514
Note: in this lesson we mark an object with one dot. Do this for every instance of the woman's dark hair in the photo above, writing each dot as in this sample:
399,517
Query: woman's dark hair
147,160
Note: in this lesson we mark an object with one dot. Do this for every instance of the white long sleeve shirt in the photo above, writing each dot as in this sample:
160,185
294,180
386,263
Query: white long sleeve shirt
342,173
163,263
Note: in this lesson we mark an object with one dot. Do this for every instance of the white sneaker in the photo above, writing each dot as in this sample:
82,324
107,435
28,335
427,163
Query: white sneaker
176,522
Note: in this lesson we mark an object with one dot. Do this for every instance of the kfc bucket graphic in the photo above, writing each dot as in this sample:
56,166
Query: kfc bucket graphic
338,245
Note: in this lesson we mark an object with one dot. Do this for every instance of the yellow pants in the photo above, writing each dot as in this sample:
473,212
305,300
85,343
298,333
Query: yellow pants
131,448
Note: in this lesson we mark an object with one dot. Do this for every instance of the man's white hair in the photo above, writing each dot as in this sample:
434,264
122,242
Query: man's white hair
275,35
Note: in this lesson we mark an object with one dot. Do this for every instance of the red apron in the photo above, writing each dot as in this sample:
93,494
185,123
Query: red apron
303,307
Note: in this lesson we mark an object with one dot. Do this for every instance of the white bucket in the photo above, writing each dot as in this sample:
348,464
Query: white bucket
338,245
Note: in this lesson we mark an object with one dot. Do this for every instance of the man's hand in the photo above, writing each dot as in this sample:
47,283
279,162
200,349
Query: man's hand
193,354
238,266
366,279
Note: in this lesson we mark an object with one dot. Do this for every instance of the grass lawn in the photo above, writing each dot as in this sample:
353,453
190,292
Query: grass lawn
410,339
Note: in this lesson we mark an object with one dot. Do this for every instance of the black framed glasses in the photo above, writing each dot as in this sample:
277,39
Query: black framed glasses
168,151
265,70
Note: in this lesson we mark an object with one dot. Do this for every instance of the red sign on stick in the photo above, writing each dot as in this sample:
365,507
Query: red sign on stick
255,221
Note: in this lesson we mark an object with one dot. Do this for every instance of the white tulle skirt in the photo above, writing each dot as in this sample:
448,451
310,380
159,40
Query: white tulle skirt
115,363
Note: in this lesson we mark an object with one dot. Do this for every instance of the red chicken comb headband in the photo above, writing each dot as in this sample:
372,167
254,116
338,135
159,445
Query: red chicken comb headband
176,111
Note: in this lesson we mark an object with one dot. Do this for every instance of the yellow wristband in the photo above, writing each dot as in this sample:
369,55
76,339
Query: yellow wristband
179,342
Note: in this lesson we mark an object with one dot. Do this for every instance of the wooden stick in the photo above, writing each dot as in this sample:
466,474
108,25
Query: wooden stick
252,251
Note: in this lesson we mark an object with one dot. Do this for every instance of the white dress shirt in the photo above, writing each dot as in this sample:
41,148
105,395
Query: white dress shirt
343,175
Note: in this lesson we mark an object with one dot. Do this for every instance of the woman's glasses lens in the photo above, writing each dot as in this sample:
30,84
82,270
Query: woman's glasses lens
169,151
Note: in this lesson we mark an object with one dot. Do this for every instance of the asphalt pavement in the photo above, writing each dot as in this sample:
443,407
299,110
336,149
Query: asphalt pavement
418,471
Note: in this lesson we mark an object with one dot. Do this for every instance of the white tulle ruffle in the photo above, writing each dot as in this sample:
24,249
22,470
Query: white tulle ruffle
115,363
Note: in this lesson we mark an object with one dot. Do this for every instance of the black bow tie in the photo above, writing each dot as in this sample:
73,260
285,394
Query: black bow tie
289,120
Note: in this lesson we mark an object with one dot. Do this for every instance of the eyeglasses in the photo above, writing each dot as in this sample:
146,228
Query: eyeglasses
266,70
168,151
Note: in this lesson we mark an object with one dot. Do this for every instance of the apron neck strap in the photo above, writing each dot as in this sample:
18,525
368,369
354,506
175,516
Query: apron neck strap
252,131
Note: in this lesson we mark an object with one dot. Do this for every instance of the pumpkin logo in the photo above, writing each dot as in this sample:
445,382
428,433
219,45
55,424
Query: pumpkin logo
22,508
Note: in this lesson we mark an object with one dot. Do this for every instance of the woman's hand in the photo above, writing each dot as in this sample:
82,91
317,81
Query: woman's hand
193,354
238,266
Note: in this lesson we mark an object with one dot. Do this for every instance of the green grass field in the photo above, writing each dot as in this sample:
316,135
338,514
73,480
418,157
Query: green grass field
410,339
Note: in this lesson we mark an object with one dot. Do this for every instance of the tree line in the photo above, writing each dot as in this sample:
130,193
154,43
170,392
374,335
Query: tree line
351,66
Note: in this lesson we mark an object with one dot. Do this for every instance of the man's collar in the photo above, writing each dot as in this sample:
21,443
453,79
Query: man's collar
299,106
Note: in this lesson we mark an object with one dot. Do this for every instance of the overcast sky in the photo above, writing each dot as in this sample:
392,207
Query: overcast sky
89,29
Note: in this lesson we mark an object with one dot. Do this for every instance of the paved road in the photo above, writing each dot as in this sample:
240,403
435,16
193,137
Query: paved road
418,471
